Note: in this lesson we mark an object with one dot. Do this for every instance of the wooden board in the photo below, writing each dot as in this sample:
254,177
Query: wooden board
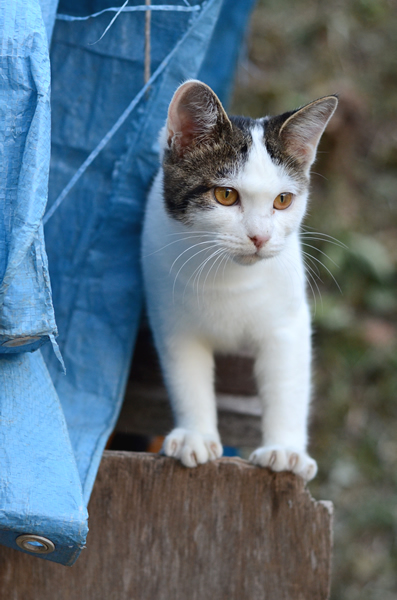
146,411
159,531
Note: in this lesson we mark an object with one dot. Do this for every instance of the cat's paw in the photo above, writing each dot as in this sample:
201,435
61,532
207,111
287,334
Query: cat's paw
279,458
192,448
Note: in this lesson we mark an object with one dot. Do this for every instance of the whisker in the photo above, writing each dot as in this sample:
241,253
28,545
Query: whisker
324,237
319,174
313,276
192,275
312,230
201,267
310,278
287,265
220,254
321,252
225,254
196,280
228,257
195,271
193,232
174,242
184,264
310,238
312,290
190,248
284,263
314,267
325,267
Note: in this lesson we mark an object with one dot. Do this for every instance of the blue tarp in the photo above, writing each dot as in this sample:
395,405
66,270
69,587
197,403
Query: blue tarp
104,153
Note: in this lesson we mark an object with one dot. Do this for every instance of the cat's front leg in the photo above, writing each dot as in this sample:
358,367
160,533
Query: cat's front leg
283,378
188,366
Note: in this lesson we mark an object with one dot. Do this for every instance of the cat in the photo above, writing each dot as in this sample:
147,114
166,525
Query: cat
223,268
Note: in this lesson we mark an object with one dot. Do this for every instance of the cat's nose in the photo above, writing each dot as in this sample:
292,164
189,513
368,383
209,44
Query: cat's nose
259,240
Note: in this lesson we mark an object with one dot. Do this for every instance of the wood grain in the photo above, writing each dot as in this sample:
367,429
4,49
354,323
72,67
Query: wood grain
158,531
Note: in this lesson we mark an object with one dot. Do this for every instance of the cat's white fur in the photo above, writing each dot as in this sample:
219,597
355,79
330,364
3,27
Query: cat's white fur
209,289
231,306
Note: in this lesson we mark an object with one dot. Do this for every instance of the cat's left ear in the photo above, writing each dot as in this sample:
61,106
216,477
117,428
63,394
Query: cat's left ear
301,132
195,116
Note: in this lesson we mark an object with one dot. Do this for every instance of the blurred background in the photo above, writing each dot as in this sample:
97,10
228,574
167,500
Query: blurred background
297,52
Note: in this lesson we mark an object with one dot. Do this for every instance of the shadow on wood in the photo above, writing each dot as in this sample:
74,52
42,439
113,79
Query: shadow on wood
159,531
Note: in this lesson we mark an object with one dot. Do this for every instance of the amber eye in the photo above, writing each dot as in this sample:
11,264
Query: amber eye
226,196
283,201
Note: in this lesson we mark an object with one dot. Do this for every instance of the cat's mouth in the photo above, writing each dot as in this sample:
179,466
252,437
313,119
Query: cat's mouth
251,259
247,259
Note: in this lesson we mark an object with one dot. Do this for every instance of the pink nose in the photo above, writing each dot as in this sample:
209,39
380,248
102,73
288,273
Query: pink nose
259,240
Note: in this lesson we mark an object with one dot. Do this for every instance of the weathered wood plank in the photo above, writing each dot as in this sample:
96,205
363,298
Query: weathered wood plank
159,531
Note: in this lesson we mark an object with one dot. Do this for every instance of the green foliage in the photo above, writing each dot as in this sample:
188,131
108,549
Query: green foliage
299,51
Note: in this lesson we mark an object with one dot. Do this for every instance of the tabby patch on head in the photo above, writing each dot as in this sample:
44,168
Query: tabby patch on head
207,152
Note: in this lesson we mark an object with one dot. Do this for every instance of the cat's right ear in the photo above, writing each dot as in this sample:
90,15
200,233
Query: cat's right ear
300,133
195,116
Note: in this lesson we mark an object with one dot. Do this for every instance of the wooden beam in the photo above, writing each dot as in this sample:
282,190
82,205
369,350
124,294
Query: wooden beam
159,531
146,409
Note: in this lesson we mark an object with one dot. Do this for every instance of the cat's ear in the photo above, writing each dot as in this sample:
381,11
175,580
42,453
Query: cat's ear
301,132
195,116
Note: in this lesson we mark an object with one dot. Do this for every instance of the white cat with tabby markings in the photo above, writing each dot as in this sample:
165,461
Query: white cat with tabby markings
223,269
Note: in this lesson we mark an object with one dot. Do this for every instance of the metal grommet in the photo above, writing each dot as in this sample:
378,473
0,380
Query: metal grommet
22,341
35,543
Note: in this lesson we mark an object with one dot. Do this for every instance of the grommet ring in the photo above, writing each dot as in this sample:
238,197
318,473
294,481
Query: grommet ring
22,341
35,543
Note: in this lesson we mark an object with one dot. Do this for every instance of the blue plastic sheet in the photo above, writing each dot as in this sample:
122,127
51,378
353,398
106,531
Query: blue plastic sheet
40,489
105,123
26,312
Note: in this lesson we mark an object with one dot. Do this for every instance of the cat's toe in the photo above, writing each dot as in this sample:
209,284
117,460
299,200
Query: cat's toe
192,448
173,442
193,452
302,464
309,468
279,458
273,457
214,448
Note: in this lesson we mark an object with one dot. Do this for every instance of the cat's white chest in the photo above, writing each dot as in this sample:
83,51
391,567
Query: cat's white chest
229,306
239,309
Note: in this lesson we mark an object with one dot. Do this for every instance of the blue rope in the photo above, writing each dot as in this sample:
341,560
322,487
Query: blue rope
111,22
159,7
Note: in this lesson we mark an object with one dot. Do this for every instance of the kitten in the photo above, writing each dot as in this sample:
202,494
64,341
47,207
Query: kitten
223,268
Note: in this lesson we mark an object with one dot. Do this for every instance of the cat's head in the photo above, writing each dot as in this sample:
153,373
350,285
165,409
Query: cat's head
244,181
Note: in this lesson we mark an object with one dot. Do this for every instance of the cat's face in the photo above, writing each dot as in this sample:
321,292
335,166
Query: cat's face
241,182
